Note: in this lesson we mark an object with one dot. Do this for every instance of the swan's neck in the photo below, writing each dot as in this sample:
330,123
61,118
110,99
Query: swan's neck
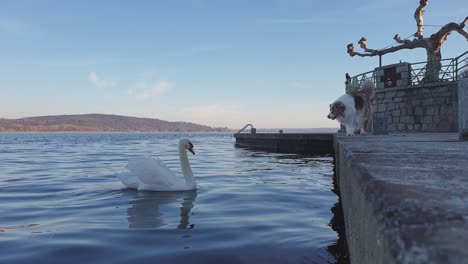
185,165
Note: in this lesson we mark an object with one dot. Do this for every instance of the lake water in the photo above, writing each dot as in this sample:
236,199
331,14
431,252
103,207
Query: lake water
62,203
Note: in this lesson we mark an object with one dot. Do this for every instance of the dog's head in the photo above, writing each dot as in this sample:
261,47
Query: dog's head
336,110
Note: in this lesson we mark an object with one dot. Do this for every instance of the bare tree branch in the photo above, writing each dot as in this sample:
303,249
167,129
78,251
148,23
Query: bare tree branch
436,40
447,29
398,39
432,44
363,44
405,45
418,16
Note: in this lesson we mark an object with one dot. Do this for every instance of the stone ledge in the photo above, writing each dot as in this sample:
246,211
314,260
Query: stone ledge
405,197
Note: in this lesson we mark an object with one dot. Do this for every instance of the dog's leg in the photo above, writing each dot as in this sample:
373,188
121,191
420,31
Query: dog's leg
349,130
357,123
367,119
362,126
365,125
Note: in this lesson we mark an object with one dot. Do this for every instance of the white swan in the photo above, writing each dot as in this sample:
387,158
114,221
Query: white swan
152,174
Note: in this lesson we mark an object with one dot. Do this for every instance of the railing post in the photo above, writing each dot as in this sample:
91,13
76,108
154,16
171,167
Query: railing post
252,129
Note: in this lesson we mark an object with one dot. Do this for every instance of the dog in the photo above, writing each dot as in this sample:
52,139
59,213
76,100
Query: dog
353,110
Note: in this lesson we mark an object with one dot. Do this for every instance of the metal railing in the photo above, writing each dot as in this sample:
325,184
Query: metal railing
355,82
252,129
420,73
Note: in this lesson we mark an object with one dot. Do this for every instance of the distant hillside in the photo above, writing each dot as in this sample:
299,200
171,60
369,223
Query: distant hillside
99,123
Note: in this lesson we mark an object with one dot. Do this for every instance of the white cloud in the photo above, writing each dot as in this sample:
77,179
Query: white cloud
230,115
100,82
147,88
10,25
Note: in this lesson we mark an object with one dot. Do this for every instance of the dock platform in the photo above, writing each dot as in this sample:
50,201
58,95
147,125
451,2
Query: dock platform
299,143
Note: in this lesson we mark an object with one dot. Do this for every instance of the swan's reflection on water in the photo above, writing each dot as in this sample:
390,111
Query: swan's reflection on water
145,208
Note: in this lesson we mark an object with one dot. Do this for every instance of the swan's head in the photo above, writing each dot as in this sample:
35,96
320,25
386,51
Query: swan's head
187,145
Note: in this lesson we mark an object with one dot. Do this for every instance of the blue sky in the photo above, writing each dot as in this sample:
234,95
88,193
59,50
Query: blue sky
275,64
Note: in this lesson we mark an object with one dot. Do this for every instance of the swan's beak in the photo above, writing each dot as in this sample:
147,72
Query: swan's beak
191,150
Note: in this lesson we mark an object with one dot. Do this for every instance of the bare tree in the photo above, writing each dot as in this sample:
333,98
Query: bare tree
432,44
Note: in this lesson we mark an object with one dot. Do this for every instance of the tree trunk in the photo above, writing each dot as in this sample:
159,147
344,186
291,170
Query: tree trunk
433,65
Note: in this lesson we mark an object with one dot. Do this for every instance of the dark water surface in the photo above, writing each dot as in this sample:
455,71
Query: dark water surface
61,202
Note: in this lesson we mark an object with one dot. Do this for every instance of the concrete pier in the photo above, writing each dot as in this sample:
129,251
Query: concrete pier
309,143
405,197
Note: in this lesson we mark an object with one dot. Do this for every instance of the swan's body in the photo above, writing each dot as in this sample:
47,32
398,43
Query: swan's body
153,175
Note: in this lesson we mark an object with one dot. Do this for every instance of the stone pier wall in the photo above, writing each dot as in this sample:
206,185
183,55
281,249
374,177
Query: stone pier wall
463,109
424,108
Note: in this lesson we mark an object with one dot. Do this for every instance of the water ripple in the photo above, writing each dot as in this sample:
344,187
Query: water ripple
61,202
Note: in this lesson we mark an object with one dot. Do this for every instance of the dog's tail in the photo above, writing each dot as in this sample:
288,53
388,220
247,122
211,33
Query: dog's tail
368,87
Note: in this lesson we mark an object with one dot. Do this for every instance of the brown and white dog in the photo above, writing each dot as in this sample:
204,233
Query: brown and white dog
354,110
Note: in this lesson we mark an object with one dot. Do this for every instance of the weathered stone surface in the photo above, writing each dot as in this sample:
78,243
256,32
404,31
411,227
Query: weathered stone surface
444,109
426,119
390,94
405,197
402,82
416,102
407,119
430,110
435,103
402,67
441,89
382,108
418,111
428,101
463,109
427,127
380,125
